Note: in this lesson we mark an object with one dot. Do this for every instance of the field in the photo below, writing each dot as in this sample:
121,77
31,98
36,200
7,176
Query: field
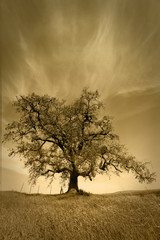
126,215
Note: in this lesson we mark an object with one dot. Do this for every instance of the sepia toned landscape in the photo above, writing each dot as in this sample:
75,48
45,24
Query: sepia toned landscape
80,119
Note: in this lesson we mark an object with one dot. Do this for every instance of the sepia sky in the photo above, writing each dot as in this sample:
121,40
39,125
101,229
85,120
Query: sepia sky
58,47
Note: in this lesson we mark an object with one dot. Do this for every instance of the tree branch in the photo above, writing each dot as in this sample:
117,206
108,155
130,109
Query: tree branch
117,169
56,171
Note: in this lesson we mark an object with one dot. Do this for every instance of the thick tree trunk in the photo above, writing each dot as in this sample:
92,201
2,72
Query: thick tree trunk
73,183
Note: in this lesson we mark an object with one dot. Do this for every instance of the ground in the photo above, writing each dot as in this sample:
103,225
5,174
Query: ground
126,215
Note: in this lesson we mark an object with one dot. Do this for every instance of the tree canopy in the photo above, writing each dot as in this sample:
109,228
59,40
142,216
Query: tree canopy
52,136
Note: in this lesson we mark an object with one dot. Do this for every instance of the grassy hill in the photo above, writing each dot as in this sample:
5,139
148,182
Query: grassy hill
127,215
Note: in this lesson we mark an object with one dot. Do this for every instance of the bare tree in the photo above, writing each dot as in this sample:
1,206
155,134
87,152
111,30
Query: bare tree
52,137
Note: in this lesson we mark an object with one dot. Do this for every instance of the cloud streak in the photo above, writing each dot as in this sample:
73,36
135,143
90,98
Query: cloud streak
64,44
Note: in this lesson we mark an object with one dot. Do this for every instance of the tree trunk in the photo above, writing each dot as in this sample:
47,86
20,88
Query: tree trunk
73,183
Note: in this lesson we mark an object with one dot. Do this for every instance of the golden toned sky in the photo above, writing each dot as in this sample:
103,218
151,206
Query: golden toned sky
58,47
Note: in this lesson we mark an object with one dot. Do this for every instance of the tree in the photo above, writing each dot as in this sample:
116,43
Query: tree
74,139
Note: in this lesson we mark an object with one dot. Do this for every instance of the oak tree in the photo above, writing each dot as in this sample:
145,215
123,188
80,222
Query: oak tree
52,136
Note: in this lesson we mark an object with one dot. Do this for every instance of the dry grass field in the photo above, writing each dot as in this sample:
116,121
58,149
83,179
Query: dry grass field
126,215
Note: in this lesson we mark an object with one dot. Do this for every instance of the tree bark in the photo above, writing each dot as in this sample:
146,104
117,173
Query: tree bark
73,183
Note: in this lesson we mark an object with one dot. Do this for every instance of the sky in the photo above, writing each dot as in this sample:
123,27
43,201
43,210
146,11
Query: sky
58,47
